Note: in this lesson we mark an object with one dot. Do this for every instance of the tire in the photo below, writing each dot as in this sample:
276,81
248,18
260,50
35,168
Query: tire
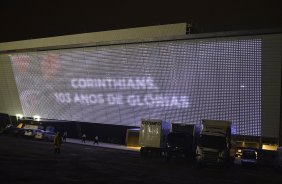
143,152
167,156
198,165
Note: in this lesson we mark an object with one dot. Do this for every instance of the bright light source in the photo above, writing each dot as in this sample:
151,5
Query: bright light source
269,147
21,125
36,118
19,116
134,147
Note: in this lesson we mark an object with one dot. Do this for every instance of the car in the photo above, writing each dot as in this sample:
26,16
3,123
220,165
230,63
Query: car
249,157
19,132
279,150
44,135
39,134
13,131
48,135
29,132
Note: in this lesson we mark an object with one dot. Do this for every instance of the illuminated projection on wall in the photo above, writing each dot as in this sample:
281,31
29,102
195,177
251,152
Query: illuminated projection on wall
178,81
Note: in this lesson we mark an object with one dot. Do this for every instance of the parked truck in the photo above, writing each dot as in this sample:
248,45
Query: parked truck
215,144
152,136
181,141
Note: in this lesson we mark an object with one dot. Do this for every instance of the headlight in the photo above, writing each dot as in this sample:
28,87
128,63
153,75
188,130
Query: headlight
199,151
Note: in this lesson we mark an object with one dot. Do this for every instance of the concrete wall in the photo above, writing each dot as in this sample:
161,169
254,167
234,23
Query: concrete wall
271,67
9,97
92,38
271,84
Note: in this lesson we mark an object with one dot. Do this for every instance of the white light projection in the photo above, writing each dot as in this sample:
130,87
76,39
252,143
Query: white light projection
178,81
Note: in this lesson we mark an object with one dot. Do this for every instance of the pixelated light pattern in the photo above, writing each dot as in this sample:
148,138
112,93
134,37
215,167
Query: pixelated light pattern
178,81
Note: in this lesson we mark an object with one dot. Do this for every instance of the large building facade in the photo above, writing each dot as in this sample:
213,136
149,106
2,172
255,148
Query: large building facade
159,72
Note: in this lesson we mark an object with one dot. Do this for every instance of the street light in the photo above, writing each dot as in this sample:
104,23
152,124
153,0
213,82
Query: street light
36,118
19,116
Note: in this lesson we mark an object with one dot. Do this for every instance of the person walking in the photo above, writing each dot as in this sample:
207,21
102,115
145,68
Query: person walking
83,137
57,143
96,140
65,136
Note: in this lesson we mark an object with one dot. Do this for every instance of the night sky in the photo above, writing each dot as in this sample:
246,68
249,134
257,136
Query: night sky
27,19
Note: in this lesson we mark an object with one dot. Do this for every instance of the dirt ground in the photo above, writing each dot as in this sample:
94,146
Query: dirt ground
31,161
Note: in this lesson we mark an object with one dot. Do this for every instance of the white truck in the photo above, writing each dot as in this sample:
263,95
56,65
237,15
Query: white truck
215,144
152,136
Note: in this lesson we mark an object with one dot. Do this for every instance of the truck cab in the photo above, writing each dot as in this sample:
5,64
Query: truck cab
178,144
215,145
181,142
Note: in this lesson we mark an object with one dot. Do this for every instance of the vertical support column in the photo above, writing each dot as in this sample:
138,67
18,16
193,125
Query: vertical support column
280,119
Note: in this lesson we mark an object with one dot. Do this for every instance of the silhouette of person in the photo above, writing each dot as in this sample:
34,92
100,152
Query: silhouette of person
57,143
83,137
65,136
96,140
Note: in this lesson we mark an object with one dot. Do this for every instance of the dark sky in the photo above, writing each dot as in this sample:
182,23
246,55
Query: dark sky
27,19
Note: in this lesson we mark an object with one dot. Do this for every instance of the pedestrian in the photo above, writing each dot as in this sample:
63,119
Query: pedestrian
65,136
83,138
96,140
57,143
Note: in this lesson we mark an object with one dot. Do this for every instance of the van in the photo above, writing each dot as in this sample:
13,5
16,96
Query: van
249,157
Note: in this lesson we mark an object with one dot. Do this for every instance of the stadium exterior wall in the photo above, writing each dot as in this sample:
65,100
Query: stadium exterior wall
270,67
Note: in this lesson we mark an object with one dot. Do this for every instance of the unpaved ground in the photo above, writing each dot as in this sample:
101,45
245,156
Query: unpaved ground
29,161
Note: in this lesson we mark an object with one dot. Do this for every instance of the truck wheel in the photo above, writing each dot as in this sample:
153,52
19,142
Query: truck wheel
143,152
198,163
167,156
230,162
